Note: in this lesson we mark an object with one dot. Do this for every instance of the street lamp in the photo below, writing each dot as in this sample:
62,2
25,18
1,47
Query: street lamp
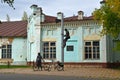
40,27
62,37
61,19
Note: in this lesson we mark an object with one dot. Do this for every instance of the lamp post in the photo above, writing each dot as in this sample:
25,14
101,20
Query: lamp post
62,37
40,28
60,18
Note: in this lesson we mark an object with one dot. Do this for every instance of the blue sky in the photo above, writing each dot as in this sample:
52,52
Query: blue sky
50,7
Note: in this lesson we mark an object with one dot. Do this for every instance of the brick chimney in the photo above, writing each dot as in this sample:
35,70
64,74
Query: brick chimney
33,7
36,10
80,15
59,15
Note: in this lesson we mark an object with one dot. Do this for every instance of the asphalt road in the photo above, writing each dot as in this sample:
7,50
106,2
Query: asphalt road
13,76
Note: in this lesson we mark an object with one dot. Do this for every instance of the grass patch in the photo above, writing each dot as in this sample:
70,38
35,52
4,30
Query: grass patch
13,66
115,68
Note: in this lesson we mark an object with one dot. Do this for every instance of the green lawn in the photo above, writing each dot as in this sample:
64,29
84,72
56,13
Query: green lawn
13,66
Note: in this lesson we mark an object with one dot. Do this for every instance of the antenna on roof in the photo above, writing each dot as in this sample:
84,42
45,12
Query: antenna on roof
73,14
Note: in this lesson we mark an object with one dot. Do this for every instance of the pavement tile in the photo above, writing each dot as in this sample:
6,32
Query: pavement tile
77,72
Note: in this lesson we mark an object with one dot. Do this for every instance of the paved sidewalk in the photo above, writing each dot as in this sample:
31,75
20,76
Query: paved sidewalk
77,72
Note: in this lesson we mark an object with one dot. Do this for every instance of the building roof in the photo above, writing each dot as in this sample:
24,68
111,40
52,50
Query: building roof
19,28
75,18
13,29
51,19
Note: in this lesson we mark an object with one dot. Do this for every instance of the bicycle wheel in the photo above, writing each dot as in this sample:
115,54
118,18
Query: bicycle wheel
35,68
45,66
59,68
49,67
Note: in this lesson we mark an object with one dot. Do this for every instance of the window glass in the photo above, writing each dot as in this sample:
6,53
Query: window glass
88,43
52,43
46,44
95,43
3,46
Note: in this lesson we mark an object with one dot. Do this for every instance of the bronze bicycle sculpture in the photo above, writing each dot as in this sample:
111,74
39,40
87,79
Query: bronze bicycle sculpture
44,67
49,66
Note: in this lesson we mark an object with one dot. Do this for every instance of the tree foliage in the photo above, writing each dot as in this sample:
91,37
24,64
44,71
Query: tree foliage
7,17
25,17
9,2
109,15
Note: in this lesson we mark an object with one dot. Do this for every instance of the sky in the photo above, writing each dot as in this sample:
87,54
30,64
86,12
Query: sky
49,7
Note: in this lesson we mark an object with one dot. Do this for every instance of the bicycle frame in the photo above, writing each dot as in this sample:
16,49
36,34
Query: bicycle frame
48,66
57,66
44,66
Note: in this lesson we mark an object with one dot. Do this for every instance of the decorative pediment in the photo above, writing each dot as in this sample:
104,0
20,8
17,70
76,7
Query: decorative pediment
92,37
49,39
4,41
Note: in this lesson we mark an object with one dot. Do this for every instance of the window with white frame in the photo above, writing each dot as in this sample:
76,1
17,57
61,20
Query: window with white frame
49,50
6,51
92,50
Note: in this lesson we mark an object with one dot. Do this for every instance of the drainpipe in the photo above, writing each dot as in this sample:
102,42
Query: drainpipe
30,53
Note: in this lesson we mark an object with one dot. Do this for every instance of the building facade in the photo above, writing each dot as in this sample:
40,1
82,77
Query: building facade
21,41
13,42
85,47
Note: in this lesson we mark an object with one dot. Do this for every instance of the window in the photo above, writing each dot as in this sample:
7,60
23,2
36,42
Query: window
6,51
70,48
92,50
49,51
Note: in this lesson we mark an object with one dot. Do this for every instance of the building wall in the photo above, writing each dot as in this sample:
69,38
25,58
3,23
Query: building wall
78,34
80,31
18,50
114,56
33,38
77,41
52,35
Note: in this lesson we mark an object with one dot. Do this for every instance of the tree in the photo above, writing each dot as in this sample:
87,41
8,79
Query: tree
9,2
109,16
25,17
7,17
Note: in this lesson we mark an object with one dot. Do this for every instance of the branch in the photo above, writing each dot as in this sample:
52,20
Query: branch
9,2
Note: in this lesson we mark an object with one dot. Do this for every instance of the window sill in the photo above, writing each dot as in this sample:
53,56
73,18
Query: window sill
6,60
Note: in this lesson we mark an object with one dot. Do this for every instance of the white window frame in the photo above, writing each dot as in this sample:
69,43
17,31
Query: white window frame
49,50
6,51
91,51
